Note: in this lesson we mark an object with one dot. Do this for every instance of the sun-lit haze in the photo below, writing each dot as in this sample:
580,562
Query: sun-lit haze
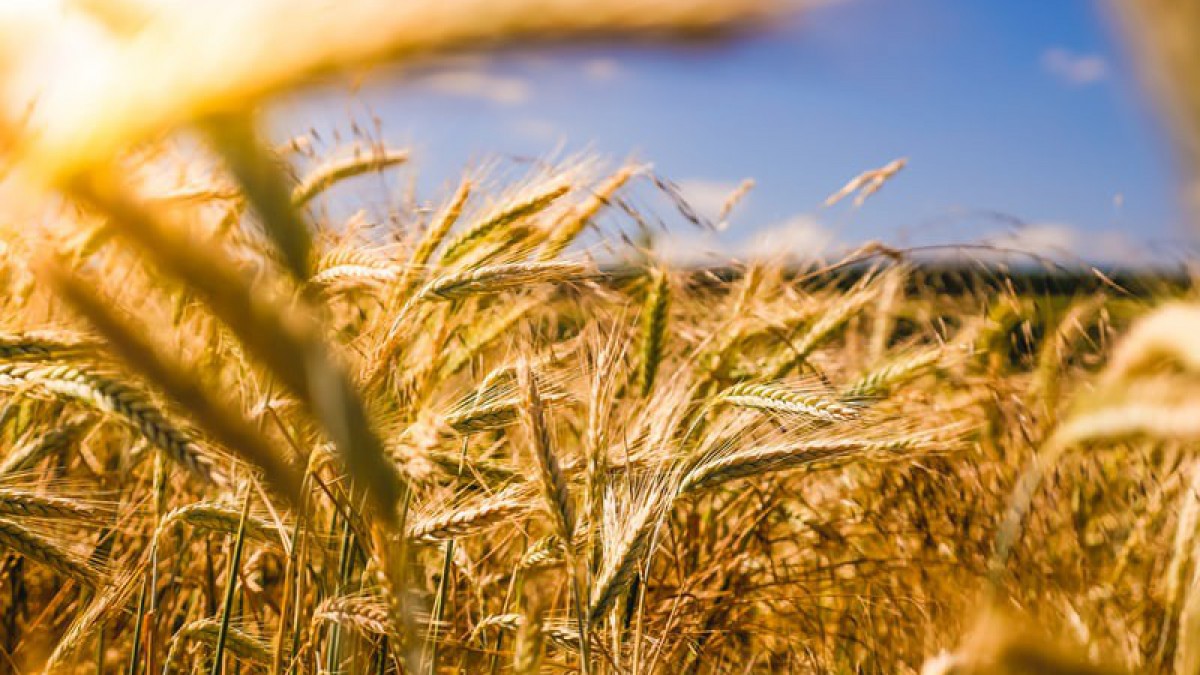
1022,121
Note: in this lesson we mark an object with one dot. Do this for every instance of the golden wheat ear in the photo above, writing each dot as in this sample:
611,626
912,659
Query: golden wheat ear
797,401
113,600
42,550
217,417
283,332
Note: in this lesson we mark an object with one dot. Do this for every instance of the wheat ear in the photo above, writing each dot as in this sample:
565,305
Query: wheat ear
580,216
219,518
332,172
628,539
553,483
537,200
223,422
430,241
29,454
242,644
885,378
115,598
545,552
355,274
467,520
111,395
557,495
367,615
32,505
503,277
558,634
43,346
825,327
468,417
39,549
654,330
779,399
786,456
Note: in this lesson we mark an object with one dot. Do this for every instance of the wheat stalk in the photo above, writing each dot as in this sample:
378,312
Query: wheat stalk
242,644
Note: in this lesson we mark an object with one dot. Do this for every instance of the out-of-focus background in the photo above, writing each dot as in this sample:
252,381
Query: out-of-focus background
1023,122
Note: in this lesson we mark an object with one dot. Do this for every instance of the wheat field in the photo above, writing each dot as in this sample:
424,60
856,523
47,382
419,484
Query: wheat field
490,436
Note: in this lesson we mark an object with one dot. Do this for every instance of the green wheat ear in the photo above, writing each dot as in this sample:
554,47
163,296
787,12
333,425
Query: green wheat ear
654,328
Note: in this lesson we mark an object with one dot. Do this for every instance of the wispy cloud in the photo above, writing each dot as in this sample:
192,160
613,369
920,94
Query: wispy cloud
800,237
1052,239
476,83
691,248
1074,68
537,129
1066,243
797,239
804,238
601,69
706,196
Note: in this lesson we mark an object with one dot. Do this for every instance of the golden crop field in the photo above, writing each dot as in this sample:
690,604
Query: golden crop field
237,436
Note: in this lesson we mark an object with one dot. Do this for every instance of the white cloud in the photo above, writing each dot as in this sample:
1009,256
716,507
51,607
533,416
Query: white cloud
601,69
1111,246
1074,69
803,238
1052,239
1067,243
706,196
476,83
691,248
798,238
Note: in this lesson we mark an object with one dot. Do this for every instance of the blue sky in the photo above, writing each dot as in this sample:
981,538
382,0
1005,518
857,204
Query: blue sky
1021,111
